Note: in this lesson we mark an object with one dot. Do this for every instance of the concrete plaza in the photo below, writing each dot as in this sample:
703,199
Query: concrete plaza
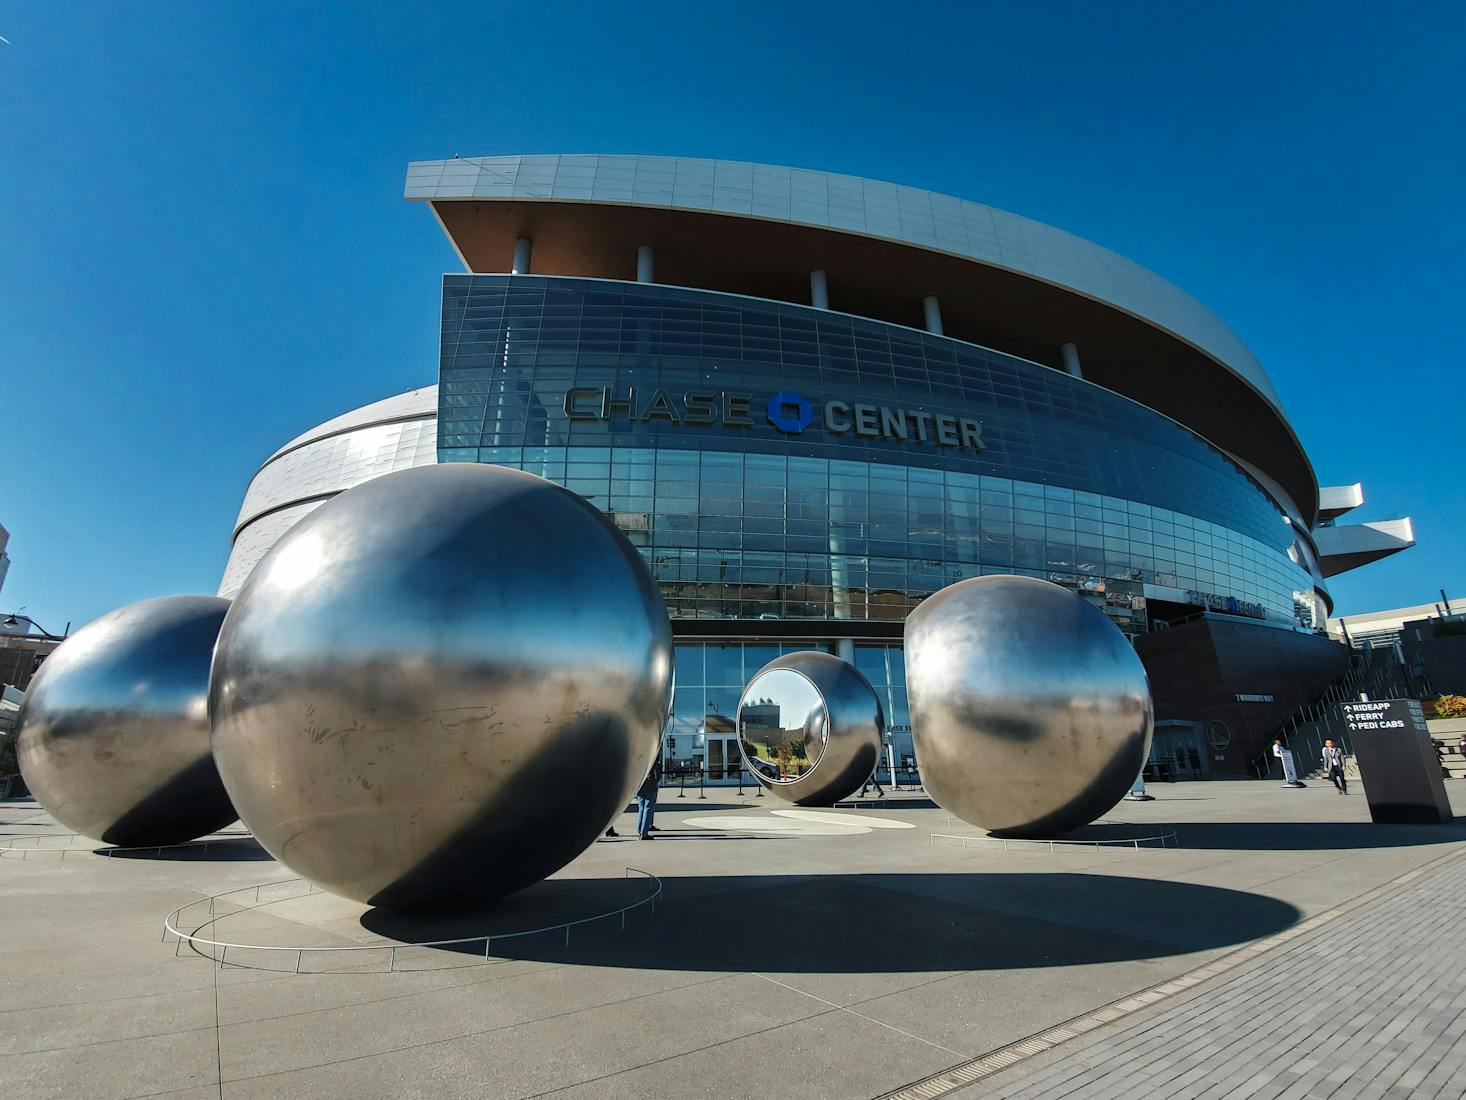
856,952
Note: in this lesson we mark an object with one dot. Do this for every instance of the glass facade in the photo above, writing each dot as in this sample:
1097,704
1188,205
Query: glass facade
773,459
711,677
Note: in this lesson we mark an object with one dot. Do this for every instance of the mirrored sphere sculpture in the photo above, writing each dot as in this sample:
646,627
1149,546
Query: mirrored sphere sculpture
809,728
1030,711
441,686
113,738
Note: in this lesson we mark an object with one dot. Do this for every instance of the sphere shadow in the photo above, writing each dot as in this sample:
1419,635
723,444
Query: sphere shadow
1305,836
872,922
242,849
190,804
549,904
670,804
873,802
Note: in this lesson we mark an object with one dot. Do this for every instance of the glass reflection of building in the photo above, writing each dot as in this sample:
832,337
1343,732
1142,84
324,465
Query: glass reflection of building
782,723
810,401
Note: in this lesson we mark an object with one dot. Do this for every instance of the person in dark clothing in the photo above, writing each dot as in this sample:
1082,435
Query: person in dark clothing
646,800
1333,762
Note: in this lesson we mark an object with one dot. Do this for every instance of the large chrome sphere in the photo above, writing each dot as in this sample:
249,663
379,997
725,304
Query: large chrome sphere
440,686
1030,711
113,737
809,728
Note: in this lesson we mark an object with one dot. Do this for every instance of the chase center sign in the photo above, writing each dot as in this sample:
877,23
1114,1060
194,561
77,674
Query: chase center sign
786,410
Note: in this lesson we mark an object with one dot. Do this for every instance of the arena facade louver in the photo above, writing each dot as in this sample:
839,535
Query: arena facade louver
811,400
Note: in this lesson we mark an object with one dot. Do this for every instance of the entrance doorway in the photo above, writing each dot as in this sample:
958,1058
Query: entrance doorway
723,759
1177,749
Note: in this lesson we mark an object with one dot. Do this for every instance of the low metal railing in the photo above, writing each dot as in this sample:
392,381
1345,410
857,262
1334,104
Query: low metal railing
218,950
1159,840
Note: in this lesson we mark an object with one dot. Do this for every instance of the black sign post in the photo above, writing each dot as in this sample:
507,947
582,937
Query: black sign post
1397,762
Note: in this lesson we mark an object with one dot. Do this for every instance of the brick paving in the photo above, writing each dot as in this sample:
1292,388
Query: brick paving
1372,1007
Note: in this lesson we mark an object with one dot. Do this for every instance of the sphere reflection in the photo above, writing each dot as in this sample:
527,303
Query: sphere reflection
441,686
781,724
114,736
809,728
1030,710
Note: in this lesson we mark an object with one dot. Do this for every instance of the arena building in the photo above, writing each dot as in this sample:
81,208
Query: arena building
811,400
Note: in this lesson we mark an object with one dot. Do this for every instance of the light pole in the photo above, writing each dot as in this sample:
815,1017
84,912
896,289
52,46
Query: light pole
16,618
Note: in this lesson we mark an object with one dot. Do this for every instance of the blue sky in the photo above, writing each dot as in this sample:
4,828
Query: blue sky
204,249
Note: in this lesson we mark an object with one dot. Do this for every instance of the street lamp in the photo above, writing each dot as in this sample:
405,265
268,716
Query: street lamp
16,618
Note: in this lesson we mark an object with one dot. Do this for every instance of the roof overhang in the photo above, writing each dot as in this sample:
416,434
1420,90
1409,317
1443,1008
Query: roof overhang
1342,548
1335,500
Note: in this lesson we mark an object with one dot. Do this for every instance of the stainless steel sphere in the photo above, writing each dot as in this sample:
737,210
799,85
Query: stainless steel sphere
113,738
809,728
440,686
1030,711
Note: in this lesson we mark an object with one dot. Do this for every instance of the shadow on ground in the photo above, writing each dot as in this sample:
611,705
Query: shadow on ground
228,850
692,834
1305,836
861,923
692,802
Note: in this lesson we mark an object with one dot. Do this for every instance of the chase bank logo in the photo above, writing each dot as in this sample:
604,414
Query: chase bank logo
786,410
789,412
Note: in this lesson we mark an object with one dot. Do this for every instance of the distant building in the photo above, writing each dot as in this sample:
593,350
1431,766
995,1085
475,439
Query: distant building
1384,628
1429,638
21,654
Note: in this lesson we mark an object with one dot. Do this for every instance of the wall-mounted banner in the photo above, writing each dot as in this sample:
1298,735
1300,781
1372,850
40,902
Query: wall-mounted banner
787,411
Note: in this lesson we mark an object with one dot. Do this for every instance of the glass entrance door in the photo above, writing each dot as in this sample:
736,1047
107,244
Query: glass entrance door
1177,746
723,759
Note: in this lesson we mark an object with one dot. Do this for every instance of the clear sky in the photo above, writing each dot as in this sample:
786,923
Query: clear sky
204,248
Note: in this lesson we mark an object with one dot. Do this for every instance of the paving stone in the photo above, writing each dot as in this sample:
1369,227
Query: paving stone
1370,1008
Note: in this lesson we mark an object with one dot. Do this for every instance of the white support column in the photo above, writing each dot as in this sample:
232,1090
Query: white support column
819,290
522,246
1070,353
845,649
644,264
932,310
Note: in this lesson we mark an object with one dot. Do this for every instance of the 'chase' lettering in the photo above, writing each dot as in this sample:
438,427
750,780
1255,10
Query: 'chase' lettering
788,412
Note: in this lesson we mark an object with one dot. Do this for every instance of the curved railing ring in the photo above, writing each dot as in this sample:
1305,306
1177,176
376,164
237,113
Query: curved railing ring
223,947
81,844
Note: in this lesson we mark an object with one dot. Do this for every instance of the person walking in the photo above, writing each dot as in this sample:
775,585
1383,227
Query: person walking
646,801
1333,762
872,781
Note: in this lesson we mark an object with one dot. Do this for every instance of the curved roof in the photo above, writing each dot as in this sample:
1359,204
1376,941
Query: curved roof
418,404
1025,287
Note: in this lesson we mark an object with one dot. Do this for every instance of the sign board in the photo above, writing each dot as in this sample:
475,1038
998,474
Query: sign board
1385,714
1290,770
1397,761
